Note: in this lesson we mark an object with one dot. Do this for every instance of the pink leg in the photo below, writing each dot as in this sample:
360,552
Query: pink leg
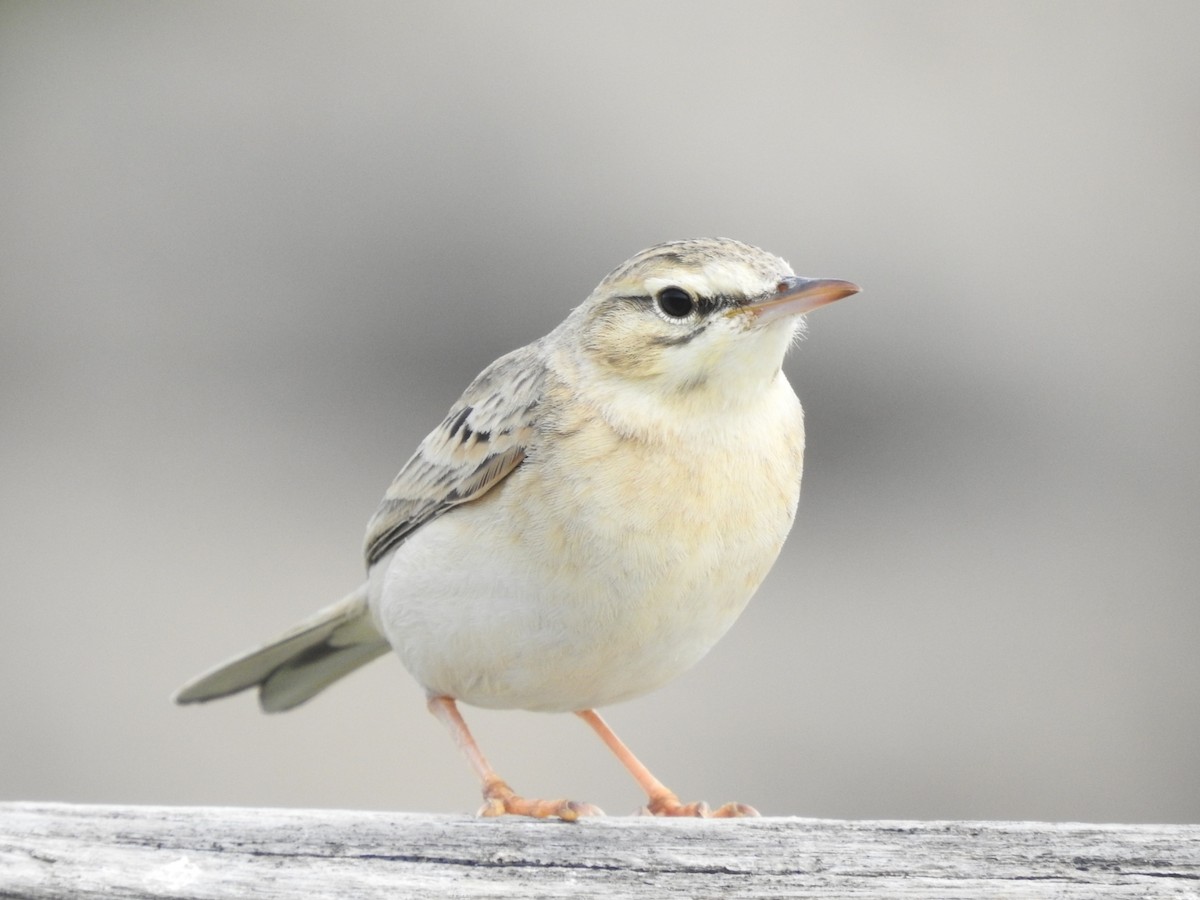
662,801
498,798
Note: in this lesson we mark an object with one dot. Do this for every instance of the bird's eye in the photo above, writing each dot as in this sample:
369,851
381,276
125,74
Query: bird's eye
676,302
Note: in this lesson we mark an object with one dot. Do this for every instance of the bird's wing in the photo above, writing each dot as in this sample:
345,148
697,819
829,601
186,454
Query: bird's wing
482,440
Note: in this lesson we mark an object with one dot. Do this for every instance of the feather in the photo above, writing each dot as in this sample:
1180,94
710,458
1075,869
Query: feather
481,441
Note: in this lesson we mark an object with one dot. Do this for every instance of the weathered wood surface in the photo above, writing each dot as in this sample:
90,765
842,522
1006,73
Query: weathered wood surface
60,851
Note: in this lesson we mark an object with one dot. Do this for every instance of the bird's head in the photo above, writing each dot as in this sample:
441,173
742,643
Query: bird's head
693,316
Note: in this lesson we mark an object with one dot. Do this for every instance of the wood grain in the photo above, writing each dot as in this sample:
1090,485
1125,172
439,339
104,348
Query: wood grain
69,851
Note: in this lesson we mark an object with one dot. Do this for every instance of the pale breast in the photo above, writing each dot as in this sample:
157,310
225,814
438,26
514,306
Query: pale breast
603,567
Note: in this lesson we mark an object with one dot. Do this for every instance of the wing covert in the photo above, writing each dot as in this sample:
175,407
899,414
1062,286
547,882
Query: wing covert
481,440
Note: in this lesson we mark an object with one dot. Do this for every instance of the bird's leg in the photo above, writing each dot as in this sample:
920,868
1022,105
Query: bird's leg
498,798
662,801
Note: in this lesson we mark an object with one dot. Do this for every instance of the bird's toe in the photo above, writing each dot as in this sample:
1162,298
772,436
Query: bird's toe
670,805
736,811
501,800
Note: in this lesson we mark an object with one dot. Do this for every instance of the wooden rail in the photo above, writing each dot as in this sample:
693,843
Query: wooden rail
69,851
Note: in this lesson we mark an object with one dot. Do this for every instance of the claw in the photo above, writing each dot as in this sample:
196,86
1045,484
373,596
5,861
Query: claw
668,805
736,811
500,800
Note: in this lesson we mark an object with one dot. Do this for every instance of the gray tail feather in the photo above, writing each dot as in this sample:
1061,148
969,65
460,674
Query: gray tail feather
299,663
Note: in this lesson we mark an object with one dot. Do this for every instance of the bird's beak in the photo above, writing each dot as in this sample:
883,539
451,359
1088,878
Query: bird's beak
796,296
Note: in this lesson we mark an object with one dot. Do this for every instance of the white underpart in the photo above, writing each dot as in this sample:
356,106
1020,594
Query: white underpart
619,553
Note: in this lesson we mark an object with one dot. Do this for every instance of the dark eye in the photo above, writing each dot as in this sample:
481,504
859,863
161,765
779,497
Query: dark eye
676,302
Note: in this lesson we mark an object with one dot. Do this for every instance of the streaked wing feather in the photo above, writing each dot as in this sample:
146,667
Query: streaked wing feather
481,441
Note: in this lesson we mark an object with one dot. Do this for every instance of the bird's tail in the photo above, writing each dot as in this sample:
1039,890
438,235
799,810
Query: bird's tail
301,662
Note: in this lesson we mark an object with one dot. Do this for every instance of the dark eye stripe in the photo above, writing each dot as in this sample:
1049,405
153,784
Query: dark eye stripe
709,305
679,339
704,305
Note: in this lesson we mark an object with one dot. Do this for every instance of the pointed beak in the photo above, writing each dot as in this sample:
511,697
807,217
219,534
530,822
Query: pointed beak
796,296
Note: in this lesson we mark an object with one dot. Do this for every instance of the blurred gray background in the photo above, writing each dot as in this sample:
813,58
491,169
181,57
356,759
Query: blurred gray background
250,253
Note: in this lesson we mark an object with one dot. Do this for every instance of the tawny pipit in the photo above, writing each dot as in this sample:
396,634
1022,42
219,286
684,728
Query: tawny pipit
588,520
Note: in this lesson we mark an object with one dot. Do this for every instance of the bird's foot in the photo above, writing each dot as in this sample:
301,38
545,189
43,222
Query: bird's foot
500,800
668,805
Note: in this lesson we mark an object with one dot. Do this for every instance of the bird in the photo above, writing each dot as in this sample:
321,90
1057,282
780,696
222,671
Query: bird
589,518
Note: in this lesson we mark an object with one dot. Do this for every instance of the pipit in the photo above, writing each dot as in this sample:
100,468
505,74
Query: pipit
588,520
